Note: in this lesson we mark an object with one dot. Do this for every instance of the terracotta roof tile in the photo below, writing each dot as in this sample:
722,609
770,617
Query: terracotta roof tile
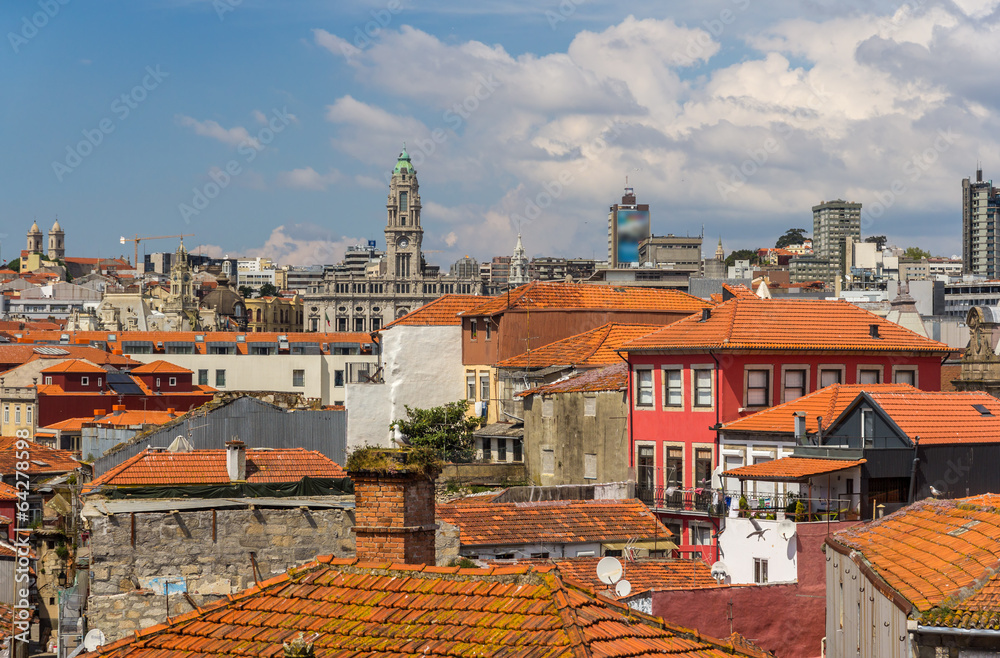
937,553
610,378
597,347
73,365
743,323
159,366
943,417
827,402
42,461
400,611
150,468
567,521
537,295
792,468
7,492
644,574
443,311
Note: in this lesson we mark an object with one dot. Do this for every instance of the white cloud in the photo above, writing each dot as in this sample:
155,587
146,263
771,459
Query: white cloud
292,244
308,178
232,136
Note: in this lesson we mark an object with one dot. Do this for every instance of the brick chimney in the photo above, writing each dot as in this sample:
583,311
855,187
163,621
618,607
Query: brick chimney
236,460
394,507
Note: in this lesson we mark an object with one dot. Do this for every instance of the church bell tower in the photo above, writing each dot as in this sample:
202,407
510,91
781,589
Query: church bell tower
403,233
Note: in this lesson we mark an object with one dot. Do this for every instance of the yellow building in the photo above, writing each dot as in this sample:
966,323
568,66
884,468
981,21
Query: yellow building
274,313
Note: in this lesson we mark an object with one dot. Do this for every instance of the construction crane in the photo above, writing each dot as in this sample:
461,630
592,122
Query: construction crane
137,240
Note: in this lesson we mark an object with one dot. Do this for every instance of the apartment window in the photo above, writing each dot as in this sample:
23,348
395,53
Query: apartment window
518,450
868,428
298,378
644,388
674,528
48,380
313,324
674,391
870,376
359,324
703,387
30,412
470,386
170,382
342,324
338,378
203,377
675,467
17,414
830,376
794,385
590,466
6,414
590,406
157,383
905,376
376,323
760,570
473,329
701,534
85,381
758,388
484,388
100,381
220,377
647,468
703,467
502,450
487,449
486,326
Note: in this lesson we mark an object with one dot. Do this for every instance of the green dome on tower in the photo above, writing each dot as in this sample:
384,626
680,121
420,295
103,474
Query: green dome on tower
403,164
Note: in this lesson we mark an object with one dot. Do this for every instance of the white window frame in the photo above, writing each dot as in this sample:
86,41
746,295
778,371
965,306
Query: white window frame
589,405
680,380
470,385
484,378
795,367
700,528
298,378
913,369
695,369
652,389
824,367
84,380
6,414
17,414
746,386
760,570
870,368
172,381
30,414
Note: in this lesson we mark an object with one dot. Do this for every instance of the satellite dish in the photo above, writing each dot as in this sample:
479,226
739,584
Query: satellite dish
720,571
623,588
786,529
609,570
94,639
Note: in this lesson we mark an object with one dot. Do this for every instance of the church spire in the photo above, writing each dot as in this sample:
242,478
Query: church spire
518,265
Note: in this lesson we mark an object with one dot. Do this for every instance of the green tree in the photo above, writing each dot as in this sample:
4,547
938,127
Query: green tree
791,236
267,290
742,254
14,265
246,292
447,429
879,241
916,253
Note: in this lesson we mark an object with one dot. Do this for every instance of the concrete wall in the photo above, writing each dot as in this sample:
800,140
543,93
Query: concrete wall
498,474
422,367
556,446
177,551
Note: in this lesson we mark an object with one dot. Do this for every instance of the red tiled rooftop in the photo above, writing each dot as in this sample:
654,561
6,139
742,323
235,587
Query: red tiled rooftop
934,553
610,378
73,365
745,323
792,468
159,366
42,459
443,311
597,347
541,295
570,521
943,417
7,492
156,468
363,610
827,403
644,574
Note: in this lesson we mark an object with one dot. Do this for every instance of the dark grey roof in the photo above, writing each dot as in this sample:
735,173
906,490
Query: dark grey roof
502,430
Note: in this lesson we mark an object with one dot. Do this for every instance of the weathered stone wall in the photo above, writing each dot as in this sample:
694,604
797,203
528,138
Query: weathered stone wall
178,551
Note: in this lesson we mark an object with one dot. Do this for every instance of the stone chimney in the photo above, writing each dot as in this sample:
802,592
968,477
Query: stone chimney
236,460
394,506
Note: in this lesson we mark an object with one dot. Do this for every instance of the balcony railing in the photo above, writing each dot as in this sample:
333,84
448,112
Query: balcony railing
707,501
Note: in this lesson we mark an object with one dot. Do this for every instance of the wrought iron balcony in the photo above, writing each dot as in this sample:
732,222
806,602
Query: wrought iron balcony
710,502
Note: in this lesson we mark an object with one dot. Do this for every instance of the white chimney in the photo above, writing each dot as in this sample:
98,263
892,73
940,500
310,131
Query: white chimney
236,460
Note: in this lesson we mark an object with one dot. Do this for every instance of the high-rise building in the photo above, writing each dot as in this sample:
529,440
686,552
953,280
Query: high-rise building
980,202
628,225
834,222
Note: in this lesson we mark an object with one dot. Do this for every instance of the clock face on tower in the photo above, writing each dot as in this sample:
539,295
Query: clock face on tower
403,243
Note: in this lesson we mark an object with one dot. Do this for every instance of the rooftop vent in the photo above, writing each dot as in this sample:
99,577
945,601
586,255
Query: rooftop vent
706,313
873,330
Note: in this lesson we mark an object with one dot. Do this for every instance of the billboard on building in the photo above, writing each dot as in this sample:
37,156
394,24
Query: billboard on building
632,228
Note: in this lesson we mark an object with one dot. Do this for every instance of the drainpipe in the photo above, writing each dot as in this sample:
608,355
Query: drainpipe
913,470
628,400
718,440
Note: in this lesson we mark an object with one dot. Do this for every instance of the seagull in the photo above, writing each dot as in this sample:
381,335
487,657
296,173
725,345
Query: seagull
936,493
757,529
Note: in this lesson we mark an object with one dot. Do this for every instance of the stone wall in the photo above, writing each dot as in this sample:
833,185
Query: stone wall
178,551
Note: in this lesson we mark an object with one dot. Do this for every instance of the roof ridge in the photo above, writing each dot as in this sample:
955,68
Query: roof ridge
607,327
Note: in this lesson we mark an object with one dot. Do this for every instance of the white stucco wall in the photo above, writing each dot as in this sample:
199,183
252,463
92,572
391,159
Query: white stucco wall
422,367
738,551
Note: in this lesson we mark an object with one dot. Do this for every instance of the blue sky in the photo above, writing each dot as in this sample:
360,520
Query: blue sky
734,115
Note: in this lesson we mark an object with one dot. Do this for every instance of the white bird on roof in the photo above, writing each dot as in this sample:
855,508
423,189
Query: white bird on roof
936,493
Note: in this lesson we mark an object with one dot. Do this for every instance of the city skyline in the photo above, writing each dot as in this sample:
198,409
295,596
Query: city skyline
729,115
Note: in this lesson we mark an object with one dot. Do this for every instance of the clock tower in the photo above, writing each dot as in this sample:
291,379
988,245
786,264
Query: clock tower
403,233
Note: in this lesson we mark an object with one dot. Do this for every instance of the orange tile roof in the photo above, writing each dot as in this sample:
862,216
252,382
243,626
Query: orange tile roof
116,419
792,468
935,553
596,347
644,574
564,521
358,609
159,366
158,468
7,492
443,311
743,323
943,417
610,378
827,403
73,365
42,461
539,295
739,291
22,353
